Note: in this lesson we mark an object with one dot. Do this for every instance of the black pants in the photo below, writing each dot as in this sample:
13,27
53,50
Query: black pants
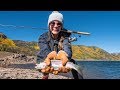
76,75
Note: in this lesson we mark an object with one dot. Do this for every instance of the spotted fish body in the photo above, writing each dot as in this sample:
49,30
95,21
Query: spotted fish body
56,64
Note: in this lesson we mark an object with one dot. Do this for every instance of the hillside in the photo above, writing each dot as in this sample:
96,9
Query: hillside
92,53
80,52
2,35
29,48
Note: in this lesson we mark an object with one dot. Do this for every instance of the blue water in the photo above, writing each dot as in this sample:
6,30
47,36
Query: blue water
100,69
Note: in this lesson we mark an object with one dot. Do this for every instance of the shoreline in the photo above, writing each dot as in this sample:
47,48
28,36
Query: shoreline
96,60
19,66
17,73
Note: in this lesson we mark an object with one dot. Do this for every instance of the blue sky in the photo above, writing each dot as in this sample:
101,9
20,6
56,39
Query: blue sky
104,26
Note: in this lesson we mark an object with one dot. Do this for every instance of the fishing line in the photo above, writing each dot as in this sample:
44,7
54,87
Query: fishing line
69,31
22,27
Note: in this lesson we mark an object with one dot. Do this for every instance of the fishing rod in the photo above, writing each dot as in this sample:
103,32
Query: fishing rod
75,32
64,30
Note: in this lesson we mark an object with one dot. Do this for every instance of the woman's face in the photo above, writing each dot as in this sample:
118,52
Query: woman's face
55,27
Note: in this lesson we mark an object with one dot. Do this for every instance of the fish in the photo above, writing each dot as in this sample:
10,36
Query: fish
56,64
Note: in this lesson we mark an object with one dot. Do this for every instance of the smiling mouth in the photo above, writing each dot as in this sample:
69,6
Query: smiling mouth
56,30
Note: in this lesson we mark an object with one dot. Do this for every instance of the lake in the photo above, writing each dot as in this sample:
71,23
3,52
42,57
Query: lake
100,69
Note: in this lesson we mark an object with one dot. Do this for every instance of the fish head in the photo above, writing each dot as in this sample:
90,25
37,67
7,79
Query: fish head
40,66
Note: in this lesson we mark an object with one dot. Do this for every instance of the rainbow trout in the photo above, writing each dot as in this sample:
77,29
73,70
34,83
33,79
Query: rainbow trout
56,64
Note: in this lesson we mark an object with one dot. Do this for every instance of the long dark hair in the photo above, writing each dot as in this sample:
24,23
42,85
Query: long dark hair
62,35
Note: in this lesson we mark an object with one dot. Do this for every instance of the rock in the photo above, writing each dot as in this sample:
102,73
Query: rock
2,35
19,66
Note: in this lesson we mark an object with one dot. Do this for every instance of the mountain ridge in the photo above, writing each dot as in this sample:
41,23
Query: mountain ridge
80,52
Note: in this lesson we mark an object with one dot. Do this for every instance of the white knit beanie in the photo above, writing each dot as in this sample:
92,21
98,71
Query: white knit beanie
55,15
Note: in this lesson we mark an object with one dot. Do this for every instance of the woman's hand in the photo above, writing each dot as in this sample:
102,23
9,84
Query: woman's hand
62,55
49,57
47,69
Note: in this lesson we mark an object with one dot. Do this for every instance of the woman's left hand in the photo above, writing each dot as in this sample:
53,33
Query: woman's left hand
62,55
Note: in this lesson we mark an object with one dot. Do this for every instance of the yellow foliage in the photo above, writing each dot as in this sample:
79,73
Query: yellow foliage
7,42
36,47
87,52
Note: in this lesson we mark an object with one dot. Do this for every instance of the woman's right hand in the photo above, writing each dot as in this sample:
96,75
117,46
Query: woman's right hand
49,57
48,69
62,56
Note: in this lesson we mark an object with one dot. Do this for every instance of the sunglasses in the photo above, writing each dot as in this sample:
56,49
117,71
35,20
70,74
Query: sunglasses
58,24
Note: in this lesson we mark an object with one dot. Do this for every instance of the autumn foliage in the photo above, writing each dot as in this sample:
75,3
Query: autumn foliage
80,52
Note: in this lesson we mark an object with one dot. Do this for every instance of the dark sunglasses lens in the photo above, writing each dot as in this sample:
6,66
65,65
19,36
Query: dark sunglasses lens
53,23
59,24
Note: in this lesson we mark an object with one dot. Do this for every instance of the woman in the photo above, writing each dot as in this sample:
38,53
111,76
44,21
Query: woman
55,44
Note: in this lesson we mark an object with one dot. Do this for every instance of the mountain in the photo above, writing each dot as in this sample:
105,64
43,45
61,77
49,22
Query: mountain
2,35
92,53
21,43
6,44
80,52
29,48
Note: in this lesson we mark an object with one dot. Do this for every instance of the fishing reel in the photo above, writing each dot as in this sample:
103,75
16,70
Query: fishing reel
72,39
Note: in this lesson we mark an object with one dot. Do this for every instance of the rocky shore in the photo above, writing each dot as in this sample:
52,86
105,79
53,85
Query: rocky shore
20,66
